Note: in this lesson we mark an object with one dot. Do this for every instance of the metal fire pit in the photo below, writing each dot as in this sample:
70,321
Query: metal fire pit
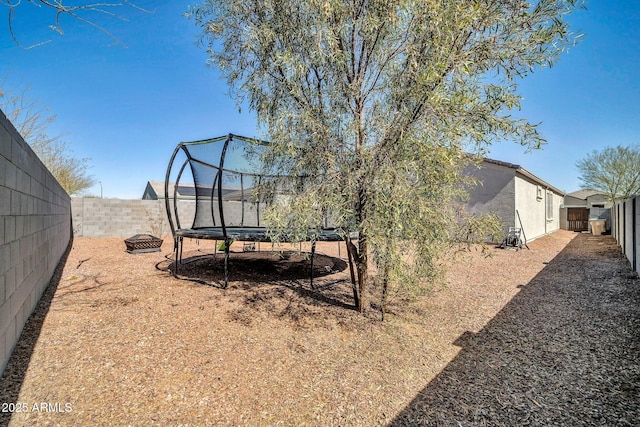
141,243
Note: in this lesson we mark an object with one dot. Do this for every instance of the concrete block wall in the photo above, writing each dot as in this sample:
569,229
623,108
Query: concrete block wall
235,214
94,217
630,229
625,219
35,231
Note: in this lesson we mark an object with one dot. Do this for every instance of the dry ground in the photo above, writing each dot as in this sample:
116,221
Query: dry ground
118,341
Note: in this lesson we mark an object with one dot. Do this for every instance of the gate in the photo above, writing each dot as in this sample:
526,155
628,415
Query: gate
578,219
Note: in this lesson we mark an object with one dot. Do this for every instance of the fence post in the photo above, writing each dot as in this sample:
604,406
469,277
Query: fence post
633,230
617,221
624,227
614,215
619,227
614,222
620,223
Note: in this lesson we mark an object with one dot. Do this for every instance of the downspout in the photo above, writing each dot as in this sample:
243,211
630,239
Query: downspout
546,204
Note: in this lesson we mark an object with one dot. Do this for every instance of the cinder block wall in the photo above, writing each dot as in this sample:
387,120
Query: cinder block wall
35,231
629,230
625,228
94,217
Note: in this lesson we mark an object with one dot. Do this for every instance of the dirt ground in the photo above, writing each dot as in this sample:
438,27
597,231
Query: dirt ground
546,336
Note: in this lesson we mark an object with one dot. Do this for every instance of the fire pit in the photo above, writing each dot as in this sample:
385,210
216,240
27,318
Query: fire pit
141,243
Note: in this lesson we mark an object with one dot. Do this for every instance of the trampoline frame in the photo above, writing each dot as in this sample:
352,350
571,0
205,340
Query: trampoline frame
225,233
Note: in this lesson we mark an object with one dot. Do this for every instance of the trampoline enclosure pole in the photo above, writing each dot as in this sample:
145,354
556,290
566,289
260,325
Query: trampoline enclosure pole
227,244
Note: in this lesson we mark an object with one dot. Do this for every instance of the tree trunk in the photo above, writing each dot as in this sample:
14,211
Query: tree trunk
352,253
362,270
385,291
363,250
360,205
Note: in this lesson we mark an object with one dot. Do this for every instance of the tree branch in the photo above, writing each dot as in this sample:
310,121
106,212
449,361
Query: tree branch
72,11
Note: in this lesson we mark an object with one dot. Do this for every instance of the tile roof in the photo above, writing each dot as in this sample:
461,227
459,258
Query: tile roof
585,193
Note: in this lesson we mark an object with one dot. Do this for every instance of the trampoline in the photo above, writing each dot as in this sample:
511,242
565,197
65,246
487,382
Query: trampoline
219,188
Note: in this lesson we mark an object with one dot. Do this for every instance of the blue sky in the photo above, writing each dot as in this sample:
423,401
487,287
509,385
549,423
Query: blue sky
126,108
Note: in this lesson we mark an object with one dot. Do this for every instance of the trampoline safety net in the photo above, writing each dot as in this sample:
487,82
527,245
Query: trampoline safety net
225,178
218,189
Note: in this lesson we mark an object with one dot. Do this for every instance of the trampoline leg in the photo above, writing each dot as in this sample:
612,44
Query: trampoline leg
227,243
313,253
177,254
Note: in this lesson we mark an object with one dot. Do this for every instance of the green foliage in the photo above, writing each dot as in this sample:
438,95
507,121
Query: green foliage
613,170
472,229
222,246
379,102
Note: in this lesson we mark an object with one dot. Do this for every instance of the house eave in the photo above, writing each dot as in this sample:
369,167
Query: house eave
522,171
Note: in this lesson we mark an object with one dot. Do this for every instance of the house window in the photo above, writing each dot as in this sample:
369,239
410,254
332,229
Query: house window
549,205
601,206
538,193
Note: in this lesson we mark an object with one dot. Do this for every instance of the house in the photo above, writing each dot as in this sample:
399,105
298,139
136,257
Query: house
518,197
155,191
581,206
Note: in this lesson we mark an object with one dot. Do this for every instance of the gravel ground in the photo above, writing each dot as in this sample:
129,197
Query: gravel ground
542,336
564,351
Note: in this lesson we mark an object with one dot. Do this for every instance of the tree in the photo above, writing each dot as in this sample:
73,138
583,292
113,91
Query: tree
32,121
78,11
613,170
379,101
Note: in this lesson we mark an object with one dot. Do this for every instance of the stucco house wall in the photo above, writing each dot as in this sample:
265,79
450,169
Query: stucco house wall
531,203
508,190
599,199
495,192
558,199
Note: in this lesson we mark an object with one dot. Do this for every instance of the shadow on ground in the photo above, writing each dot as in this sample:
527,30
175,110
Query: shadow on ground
564,351
258,266
14,374
264,280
